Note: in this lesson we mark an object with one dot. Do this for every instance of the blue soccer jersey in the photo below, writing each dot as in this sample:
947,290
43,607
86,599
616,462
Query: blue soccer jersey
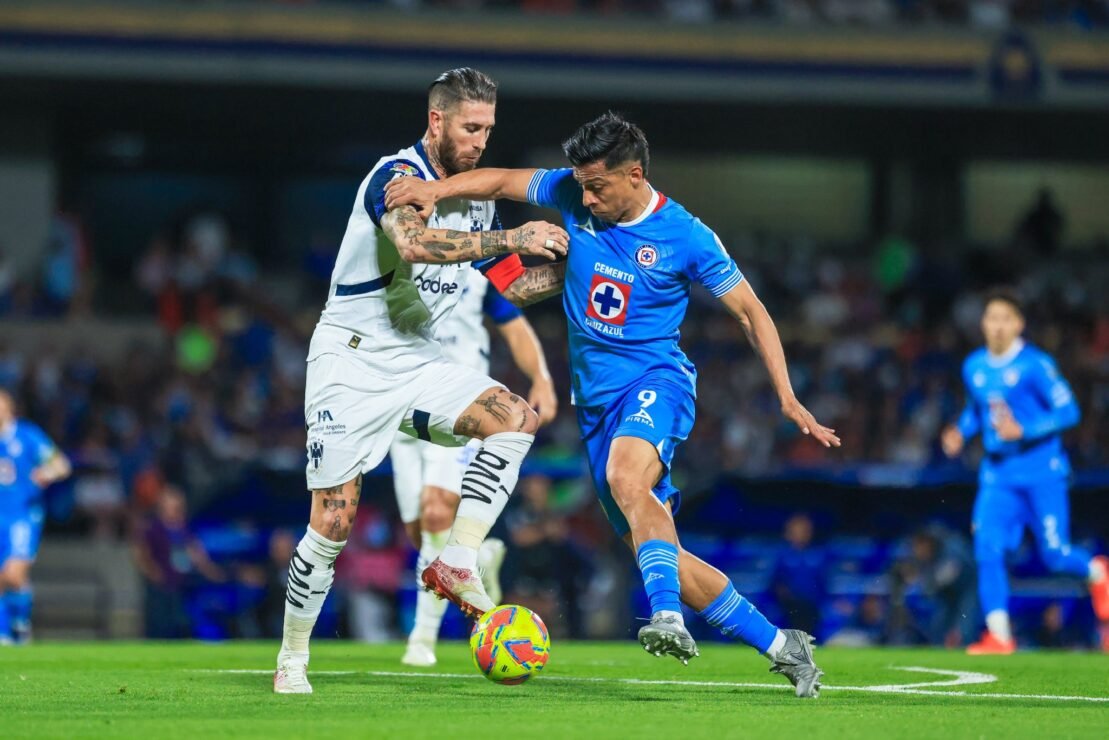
1027,381
22,449
627,288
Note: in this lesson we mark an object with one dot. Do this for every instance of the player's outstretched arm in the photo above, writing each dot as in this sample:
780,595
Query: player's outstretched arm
536,284
415,242
481,184
742,303
528,355
56,467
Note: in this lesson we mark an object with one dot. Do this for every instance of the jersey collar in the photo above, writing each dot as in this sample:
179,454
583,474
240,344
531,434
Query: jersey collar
423,156
657,201
1005,357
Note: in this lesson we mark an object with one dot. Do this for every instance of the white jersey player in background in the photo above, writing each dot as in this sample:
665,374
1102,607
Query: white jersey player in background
428,478
375,367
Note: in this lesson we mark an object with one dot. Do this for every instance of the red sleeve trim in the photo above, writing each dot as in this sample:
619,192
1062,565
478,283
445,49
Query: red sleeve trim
505,272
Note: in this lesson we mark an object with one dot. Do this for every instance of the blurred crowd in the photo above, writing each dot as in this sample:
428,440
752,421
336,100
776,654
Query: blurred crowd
191,419
986,14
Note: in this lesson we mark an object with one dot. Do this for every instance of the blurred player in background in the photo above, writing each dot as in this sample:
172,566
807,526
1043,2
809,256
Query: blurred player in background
375,367
428,478
633,258
1021,404
29,462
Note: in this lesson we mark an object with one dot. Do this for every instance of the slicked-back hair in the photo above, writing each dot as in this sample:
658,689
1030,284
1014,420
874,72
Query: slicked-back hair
1005,294
609,138
464,84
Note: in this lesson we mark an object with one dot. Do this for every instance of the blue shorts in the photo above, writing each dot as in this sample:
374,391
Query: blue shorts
19,538
655,409
1001,513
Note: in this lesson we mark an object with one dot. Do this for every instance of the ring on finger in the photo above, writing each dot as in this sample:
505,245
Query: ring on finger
549,243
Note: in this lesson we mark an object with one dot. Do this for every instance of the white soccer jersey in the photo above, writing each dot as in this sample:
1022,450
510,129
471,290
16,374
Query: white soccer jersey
356,315
462,333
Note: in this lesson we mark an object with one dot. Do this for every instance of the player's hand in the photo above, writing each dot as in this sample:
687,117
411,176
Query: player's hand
538,238
542,398
799,415
952,441
40,477
1004,423
412,191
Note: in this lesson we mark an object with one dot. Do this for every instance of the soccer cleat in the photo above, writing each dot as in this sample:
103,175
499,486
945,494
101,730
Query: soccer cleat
459,586
291,677
490,559
795,662
668,636
1099,590
419,654
990,644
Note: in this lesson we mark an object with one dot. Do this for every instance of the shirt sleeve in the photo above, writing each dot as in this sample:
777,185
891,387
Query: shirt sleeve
374,198
710,264
1062,410
498,308
969,423
44,447
554,189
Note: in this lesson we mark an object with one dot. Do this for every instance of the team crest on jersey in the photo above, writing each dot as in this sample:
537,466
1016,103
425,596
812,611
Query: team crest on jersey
1011,377
646,256
403,169
608,300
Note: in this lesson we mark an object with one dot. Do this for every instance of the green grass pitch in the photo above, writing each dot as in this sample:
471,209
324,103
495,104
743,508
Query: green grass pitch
610,690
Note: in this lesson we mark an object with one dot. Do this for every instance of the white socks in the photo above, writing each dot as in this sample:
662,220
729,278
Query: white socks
311,571
1097,571
776,646
486,486
429,607
997,622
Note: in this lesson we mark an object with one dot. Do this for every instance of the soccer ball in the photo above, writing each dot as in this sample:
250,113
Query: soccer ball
510,644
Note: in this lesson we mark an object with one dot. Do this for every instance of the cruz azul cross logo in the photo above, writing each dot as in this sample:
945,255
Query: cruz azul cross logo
608,300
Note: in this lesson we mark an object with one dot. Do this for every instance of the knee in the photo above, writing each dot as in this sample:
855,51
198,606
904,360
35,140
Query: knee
525,417
333,510
437,511
625,486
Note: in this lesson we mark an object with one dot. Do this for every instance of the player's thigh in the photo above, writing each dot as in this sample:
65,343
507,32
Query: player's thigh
334,508
454,404
1049,518
653,418
998,521
407,458
351,417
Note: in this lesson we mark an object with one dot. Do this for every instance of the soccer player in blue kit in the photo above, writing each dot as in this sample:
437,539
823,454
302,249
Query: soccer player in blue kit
1019,402
29,462
634,255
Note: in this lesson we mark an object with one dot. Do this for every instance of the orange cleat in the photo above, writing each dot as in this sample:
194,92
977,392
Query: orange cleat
992,645
1099,590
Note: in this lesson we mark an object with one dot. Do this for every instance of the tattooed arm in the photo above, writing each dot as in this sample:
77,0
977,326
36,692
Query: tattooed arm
415,242
486,183
536,284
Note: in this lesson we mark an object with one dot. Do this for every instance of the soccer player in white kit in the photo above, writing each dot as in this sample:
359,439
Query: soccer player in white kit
375,367
428,478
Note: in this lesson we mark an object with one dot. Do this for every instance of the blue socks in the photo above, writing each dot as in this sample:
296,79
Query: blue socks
658,562
738,619
18,605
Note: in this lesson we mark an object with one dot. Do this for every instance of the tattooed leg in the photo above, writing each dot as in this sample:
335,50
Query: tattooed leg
312,568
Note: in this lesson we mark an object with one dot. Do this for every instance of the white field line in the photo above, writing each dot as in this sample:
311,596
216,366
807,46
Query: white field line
958,678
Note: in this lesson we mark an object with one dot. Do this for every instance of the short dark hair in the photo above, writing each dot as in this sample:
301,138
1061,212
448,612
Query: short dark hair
458,85
1005,294
608,137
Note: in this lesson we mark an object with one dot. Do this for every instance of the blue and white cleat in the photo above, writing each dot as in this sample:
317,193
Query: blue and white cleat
668,636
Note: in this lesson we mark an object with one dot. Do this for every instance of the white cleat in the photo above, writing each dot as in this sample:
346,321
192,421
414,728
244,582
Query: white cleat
291,678
490,559
419,654
458,585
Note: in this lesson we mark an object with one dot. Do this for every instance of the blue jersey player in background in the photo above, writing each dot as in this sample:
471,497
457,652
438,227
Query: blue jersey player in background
29,462
1020,404
634,256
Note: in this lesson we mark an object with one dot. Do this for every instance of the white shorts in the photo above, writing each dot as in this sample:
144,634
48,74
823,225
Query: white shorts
418,464
352,413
